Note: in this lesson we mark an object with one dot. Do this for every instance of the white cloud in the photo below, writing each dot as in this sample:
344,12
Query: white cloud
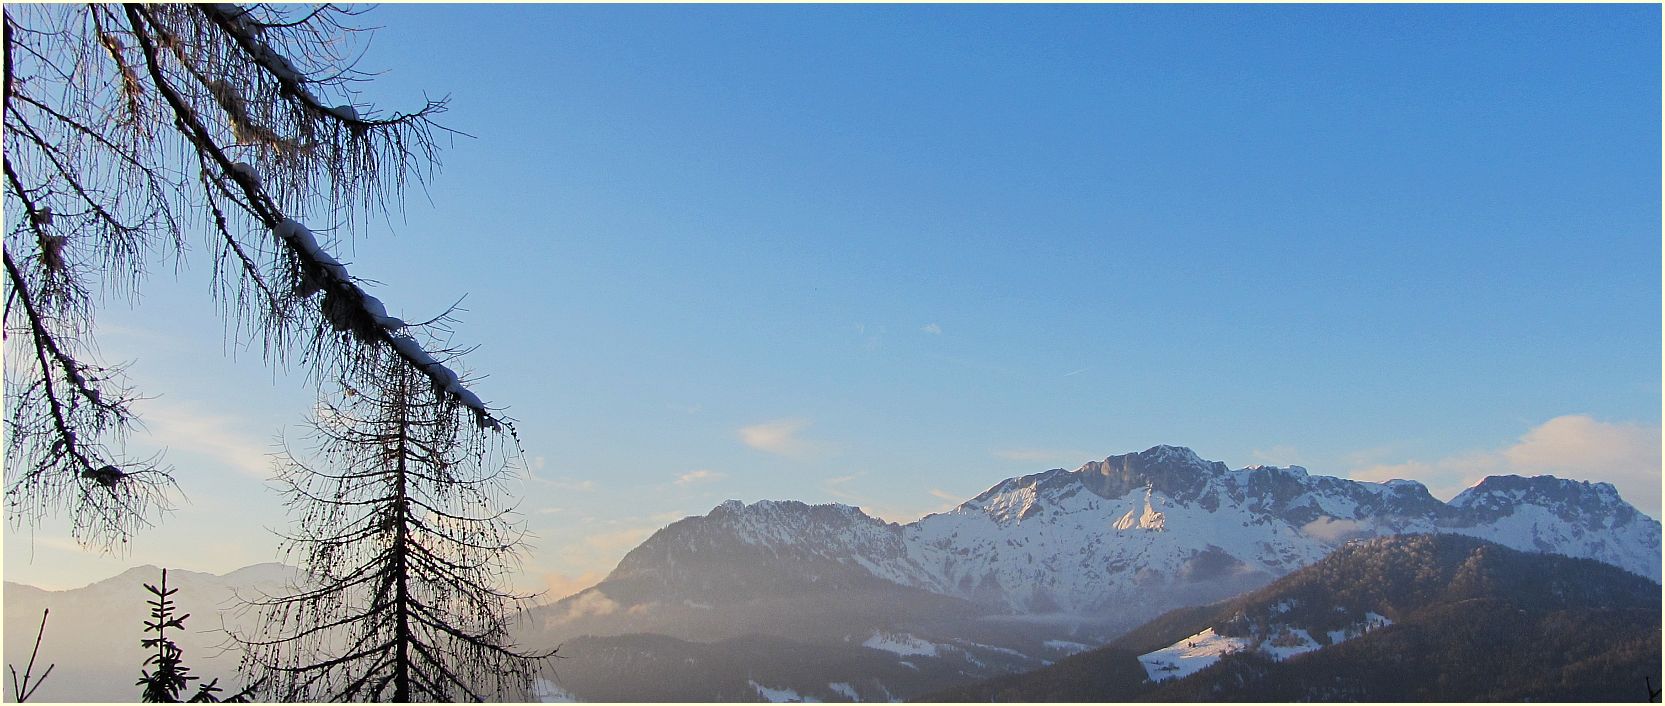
1332,530
1576,447
592,603
557,585
1445,477
780,437
700,476
933,329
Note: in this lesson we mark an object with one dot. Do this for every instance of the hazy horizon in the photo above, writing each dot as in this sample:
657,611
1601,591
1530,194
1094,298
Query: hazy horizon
889,256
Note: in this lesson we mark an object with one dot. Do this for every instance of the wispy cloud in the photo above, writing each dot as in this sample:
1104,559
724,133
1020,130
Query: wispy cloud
1076,372
620,539
932,328
1574,446
665,518
558,585
190,427
835,486
569,485
872,337
1042,455
700,476
780,437
946,496
944,501
1278,455
564,484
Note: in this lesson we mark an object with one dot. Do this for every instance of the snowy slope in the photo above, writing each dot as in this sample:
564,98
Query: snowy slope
1192,654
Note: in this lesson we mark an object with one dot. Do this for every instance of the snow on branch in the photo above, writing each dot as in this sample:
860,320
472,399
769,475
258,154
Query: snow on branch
127,129
351,310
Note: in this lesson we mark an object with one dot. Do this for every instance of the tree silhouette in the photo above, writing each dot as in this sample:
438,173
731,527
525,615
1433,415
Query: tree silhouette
21,688
128,127
400,523
171,676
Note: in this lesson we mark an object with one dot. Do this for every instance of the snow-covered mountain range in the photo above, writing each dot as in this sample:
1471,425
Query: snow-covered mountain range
780,599
1158,527
1148,528
1045,564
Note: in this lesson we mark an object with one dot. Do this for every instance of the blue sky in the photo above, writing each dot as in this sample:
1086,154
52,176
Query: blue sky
889,256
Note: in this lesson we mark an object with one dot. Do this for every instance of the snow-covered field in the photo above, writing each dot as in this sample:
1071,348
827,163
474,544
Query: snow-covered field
902,645
1199,651
778,696
1190,655
1067,646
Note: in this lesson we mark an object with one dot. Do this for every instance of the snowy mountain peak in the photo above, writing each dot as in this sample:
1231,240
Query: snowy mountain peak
1174,471
1163,453
1570,499
810,542
1296,471
767,521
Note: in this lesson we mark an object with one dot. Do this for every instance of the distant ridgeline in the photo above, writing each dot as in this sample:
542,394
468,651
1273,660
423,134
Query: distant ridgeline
1026,573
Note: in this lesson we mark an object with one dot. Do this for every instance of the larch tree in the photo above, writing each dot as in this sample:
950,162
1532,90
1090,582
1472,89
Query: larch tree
407,544
143,133
128,127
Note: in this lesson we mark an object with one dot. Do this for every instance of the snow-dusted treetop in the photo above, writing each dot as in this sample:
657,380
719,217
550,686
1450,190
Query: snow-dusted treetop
133,130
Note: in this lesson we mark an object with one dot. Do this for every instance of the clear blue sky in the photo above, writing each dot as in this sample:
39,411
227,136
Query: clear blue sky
889,256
